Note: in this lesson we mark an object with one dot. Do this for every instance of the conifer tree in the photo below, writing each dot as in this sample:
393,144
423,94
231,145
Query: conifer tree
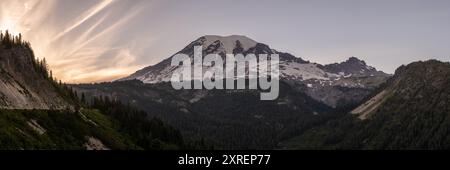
83,98
19,39
7,39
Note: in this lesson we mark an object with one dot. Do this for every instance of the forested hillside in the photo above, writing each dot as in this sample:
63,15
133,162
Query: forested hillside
226,119
413,112
39,112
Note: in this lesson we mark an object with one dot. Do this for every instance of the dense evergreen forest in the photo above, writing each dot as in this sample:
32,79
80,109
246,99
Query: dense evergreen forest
226,119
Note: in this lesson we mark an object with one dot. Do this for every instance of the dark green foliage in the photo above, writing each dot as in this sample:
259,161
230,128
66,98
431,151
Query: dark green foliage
121,128
226,119
149,133
63,130
415,115
8,40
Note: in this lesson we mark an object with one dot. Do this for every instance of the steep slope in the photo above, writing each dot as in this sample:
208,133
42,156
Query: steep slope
410,111
23,83
420,82
38,113
329,84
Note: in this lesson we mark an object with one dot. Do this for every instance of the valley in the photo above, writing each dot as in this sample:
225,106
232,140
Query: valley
346,105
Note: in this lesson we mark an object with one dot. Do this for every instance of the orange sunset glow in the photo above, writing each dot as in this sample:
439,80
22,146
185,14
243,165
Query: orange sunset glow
102,40
73,56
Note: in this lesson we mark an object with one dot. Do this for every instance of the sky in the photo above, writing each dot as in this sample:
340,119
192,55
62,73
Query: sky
103,40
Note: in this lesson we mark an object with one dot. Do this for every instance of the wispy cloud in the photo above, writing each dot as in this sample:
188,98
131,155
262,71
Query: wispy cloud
96,40
81,47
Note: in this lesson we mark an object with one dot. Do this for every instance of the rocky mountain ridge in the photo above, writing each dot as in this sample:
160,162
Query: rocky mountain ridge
325,83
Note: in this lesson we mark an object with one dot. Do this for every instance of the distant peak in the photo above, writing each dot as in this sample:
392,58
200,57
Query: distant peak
355,60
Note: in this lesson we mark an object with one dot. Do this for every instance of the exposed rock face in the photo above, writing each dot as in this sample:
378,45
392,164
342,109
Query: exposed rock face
95,144
353,67
36,127
22,86
334,84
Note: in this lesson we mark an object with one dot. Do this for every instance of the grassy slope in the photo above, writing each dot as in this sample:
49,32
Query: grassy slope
63,130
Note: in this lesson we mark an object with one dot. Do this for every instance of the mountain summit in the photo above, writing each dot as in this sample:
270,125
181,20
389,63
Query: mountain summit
229,44
291,67
322,82
353,66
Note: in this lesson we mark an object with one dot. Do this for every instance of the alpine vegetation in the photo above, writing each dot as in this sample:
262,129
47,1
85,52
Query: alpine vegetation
209,72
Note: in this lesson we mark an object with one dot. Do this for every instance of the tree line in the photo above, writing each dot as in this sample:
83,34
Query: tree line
9,40
147,132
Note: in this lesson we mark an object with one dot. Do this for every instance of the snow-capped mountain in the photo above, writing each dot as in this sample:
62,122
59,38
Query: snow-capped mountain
311,77
212,44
